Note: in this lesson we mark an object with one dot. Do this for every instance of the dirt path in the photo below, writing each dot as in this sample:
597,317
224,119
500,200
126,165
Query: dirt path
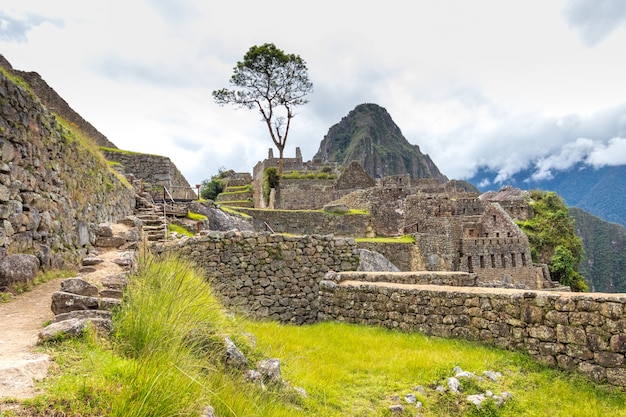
22,318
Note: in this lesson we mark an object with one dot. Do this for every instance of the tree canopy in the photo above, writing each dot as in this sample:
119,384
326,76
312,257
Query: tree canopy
274,83
553,239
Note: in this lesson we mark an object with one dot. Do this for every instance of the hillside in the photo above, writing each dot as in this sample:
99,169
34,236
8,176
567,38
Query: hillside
600,191
604,260
369,135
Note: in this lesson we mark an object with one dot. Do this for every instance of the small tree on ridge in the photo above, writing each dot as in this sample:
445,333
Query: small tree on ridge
273,82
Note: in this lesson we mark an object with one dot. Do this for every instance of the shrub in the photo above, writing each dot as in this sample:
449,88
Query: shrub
271,179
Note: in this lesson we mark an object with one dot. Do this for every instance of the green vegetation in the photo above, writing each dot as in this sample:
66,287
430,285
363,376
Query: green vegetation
41,278
350,370
604,260
165,359
305,175
272,82
388,239
171,227
553,240
209,189
196,216
235,212
271,179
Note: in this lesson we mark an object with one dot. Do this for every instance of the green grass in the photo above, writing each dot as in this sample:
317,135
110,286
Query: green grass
231,210
401,239
165,360
178,229
196,216
353,370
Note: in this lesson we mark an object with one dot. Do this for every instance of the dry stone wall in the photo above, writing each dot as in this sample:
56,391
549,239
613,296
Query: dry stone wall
310,222
269,276
585,332
53,190
158,171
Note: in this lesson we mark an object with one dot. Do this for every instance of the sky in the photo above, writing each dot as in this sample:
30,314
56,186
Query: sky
496,85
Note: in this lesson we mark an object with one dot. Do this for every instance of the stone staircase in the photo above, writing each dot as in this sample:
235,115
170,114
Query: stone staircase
154,222
237,193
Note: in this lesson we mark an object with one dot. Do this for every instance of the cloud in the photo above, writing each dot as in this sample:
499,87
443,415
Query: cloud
14,28
595,20
611,153
565,158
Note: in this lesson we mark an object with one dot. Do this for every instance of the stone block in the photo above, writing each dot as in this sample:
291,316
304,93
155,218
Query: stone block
64,302
609,359
79,286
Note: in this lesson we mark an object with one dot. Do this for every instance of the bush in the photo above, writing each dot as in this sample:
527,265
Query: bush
271,179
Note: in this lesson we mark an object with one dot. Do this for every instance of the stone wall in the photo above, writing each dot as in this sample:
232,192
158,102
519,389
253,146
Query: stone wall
586,332
269,276
309,222
54,190
157,171
56,104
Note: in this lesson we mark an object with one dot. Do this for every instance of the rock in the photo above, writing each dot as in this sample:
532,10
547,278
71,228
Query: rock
110,293
233,356
83,314
73,327
104,230
420,390
396,409
124,263
270,370
252,375
79,286
110,242
115,282
87,269
92,260
18,269
370,261
492,375
454,385
465,374
476,399
410,398
64,302
208,412
336,208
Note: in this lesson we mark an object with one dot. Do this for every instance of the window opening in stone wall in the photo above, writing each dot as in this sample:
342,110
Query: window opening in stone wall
494,219
497,234
482,262
523,259
513,260
470,267
493,260
503,261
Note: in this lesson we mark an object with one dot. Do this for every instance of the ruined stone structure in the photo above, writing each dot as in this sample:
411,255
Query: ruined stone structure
585,332
154,170
270,276
53,191
314,192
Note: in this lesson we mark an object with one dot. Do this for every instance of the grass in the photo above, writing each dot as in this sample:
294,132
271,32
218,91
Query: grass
178,229
196,216
353,370
231,210
165,359
400,239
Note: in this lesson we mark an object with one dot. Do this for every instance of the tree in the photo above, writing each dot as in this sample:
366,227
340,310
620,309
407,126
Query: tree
273,82
210,189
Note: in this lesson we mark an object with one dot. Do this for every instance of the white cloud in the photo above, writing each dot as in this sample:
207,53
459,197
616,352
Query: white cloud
595,20
611,153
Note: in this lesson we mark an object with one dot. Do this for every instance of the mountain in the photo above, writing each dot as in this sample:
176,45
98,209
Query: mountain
600,191
604,261
369,135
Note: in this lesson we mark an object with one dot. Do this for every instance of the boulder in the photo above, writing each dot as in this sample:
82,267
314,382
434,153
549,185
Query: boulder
79,286
270,371
73,327
18,269
336,208
83,314
64,302
370,261
233,356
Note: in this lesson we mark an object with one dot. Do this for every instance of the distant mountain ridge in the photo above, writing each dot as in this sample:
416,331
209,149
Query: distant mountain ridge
369,135
600,191
604,261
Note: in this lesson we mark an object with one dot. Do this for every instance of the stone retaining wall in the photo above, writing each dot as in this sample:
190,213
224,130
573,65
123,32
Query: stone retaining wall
586,332
269,276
